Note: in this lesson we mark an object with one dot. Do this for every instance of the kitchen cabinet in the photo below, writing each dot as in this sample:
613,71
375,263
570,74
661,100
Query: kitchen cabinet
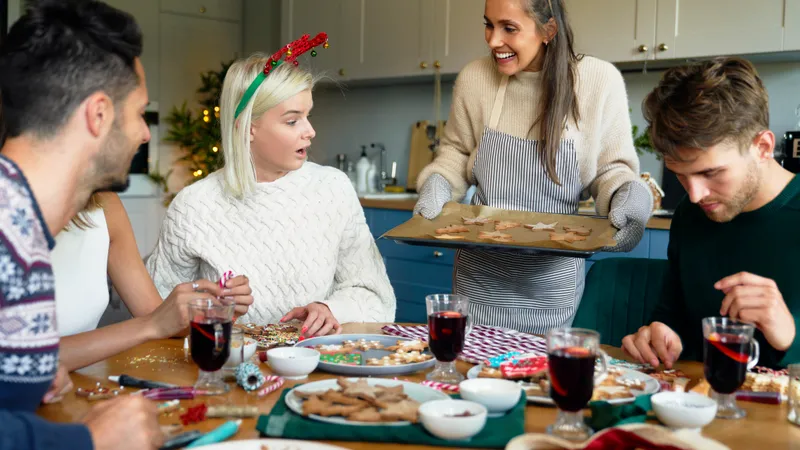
417,271
613,30
638,30
311,17
209,9
458,33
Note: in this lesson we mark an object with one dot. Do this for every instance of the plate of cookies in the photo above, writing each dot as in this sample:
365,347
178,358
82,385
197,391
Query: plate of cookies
370,354
271,335
361,401
620,385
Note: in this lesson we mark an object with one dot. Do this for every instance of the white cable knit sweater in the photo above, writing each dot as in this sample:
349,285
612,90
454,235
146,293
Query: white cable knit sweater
300,239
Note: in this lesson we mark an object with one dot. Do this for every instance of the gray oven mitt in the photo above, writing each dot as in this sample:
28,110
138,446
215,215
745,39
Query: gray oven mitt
432,197
631,208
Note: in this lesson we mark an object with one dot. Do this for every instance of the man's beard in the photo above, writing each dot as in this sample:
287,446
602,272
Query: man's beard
110,173
744,195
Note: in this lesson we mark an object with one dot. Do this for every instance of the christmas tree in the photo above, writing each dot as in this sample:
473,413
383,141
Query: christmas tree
197,133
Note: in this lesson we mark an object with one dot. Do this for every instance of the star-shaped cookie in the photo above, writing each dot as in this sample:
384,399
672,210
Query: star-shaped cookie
450,237
566,237
495,236
476,220
505,225
542,226
359,389
452,229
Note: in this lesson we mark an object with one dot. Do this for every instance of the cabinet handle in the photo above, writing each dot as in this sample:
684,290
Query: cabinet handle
341,72
437,254
436,64
202,10
423,65
642,48
662,47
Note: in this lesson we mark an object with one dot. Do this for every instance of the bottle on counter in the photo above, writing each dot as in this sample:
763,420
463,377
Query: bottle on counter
362,169
351,173
372,177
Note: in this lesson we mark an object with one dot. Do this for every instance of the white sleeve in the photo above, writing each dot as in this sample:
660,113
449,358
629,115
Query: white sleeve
171,264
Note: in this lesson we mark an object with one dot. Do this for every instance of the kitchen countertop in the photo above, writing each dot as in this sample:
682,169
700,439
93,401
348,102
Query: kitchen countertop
655,223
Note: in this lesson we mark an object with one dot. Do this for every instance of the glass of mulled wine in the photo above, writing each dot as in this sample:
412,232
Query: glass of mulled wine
448,326
729,350
571,357
210,343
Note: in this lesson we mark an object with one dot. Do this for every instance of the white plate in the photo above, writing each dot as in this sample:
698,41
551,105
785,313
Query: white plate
651,386
272,444
414,391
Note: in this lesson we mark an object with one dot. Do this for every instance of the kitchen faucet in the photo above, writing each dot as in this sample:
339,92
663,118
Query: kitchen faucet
385,180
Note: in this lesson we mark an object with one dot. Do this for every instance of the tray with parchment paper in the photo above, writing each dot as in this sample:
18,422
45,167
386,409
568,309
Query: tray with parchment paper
578,236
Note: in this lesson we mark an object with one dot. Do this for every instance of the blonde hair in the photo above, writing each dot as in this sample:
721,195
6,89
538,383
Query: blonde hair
282,83
82,219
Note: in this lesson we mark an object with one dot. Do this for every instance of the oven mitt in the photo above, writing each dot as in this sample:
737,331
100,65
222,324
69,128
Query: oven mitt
631,208
432,197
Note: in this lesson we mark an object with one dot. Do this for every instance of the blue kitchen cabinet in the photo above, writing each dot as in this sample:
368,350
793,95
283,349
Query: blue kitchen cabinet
417,271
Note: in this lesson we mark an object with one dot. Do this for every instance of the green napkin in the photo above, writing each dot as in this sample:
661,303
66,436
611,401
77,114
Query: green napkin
606,415
281,422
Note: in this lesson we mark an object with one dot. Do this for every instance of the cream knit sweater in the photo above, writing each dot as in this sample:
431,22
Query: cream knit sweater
300,239
603,140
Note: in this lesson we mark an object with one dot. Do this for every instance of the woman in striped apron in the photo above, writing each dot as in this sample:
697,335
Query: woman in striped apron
533,86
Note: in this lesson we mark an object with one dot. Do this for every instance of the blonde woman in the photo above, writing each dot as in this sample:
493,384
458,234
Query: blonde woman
296,228
99,243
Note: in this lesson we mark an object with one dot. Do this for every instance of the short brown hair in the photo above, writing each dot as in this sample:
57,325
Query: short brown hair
703,104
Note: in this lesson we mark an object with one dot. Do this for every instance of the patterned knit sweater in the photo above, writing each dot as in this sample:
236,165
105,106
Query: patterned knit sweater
603,142
28,334
300,239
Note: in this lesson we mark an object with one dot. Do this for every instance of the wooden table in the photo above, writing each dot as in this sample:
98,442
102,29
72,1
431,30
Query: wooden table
765,426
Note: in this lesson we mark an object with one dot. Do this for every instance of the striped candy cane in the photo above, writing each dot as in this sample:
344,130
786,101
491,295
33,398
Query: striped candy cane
224,278
276,381
441,386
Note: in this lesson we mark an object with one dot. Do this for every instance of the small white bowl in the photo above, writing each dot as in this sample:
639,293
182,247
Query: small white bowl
250,346
684,409
497,395
293,363
440,418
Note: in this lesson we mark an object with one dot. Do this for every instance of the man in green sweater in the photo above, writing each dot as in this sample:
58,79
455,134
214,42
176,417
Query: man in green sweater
733,244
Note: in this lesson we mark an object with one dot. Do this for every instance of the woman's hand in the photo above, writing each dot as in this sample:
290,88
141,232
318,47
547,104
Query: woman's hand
238,291
317,319
61,385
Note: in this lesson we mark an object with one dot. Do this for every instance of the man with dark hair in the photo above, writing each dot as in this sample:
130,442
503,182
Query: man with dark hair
733,240
73,95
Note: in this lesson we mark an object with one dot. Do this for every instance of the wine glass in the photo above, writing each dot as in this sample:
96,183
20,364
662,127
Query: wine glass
210,343
448,326
729,350
571,356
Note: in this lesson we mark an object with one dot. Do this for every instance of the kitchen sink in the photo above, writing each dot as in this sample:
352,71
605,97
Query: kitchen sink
390,196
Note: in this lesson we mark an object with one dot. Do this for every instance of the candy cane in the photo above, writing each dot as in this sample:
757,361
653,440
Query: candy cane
224,278
277,382
441,386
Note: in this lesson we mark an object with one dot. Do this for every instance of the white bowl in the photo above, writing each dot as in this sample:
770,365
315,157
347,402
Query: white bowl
497,395
250,346
684,409
439,418
293,363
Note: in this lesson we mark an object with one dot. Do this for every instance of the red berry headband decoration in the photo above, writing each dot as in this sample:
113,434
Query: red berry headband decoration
291,52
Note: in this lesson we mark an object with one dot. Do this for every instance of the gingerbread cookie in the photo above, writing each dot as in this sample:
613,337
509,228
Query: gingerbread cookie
566,237
331,349
542,226
348,359
363,345
402,410
580,231
489,372
495,236
358,401
408,346
476,220
452,229
505,225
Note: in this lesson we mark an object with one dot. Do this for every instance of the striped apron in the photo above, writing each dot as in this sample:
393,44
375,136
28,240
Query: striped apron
529,293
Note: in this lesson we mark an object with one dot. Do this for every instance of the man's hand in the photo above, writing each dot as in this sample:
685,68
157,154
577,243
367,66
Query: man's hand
653,343
61,385
317,317
129,422
753,299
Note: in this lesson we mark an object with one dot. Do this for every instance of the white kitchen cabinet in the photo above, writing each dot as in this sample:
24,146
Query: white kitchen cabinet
458,33
334,17
693,28
395,38
210,9
146,13
613,30
791,34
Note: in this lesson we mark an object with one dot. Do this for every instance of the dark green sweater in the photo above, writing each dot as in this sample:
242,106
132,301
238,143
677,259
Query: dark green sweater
765,242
